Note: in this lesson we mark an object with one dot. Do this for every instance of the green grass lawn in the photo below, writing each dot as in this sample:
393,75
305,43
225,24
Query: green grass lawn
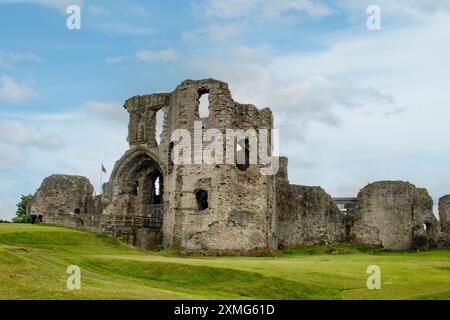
34,259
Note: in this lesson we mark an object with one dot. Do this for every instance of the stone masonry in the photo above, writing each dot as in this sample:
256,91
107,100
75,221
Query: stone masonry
395,215
152,199
444,212
444,216
63,195
306,215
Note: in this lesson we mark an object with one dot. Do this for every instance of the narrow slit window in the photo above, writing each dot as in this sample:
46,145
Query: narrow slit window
170,157
135,190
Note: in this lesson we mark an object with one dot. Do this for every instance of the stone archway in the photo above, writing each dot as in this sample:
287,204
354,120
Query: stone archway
137,188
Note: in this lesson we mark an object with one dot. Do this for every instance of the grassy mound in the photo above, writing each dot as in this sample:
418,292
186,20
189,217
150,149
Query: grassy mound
34,259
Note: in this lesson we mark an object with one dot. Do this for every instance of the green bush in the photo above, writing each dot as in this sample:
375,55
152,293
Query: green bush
158,248
21,213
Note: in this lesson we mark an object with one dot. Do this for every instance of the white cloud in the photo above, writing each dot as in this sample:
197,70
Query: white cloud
276,9
13,92
215,31
108,110
302,99
251,55
17,134
152,56
9,58
88,141
99,11
21,145
119,19
369,106
7,210
260,9
227,19
40,116
10,155
398,11
114,26
420,6
427,6
106,19
137,10
116,59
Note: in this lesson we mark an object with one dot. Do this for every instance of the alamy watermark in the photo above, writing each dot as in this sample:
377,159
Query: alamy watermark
374,280
230,146
74,280
73,21
374,19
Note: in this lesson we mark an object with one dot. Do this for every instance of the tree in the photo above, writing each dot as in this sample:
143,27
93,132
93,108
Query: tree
21,213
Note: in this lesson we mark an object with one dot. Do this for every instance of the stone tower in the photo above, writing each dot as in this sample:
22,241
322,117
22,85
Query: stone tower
198,204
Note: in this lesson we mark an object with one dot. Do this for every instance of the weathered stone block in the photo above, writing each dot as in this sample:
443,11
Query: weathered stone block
395,215
63,195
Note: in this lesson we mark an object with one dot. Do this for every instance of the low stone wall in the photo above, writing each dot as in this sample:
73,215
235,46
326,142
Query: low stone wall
130,230
308,215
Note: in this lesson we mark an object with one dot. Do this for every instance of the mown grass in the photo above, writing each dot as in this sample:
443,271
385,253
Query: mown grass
34,259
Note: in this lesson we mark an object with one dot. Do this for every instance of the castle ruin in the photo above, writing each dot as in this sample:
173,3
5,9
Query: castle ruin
153,199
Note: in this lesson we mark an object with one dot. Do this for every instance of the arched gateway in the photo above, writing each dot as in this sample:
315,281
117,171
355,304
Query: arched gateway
134,196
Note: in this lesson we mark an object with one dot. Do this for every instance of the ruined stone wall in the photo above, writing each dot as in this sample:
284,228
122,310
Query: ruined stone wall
68,201
444,217
306,215
61,195
140,160
395,215
142,124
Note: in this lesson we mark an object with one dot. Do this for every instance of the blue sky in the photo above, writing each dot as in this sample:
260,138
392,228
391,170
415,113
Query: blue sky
352,105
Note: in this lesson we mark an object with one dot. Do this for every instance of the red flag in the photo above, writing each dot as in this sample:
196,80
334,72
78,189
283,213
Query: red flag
103,168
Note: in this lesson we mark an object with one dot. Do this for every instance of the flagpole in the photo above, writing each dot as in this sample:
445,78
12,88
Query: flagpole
102,170
101,178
